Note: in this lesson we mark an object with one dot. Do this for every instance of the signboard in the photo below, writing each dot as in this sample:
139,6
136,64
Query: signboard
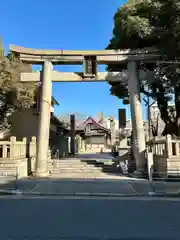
122,118
90,65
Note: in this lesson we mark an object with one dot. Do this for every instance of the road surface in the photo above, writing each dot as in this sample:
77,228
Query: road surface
89,218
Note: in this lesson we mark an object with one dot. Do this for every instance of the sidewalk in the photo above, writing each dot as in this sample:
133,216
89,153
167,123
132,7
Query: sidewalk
78,187
100,187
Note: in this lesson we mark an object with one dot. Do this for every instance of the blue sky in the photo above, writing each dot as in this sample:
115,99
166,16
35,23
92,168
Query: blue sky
69,24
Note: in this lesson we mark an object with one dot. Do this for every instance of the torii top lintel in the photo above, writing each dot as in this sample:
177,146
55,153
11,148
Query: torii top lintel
36,56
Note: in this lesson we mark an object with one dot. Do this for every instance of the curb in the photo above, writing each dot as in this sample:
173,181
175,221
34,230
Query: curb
18,192
11,192
82,194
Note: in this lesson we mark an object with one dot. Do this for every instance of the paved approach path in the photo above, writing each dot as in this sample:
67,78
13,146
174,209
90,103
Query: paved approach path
123,185
38,218
84,183
86,166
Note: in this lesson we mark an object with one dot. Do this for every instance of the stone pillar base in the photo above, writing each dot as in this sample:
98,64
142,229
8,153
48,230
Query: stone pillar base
41,174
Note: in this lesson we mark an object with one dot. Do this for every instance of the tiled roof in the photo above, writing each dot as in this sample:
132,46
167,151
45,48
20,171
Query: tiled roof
80,120
82,125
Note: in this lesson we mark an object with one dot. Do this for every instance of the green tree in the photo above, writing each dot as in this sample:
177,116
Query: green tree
152,23
14,95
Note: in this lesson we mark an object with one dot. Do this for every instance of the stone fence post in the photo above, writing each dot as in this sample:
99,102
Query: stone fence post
12,147
24,147
33,147
169,145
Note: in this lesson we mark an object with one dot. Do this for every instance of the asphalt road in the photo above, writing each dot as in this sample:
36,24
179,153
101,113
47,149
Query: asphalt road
89,218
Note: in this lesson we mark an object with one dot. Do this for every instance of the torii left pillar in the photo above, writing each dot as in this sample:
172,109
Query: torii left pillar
44,120
139,144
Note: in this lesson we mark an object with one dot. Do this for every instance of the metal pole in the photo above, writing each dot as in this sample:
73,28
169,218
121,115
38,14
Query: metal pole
149,116
16,185
73,134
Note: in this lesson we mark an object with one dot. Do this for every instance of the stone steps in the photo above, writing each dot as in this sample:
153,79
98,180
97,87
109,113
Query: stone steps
5,171
6,178
10,160
73,168
66,164
63,163
69,171
8,165
85,176
77,169
75,164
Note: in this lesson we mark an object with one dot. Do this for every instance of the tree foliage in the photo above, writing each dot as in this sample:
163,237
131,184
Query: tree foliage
14,95
152,23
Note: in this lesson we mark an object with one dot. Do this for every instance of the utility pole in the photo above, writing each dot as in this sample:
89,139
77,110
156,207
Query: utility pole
149,117
147,103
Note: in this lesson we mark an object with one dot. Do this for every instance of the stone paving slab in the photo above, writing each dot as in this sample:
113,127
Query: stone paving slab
88,187
166,186
123,186
107,187
156,186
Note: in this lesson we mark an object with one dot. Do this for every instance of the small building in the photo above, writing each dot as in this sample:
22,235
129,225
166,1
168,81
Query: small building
94,135
25,123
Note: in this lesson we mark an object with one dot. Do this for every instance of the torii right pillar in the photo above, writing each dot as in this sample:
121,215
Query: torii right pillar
139,144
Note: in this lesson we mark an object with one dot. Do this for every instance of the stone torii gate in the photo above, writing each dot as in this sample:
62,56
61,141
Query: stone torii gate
90,61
